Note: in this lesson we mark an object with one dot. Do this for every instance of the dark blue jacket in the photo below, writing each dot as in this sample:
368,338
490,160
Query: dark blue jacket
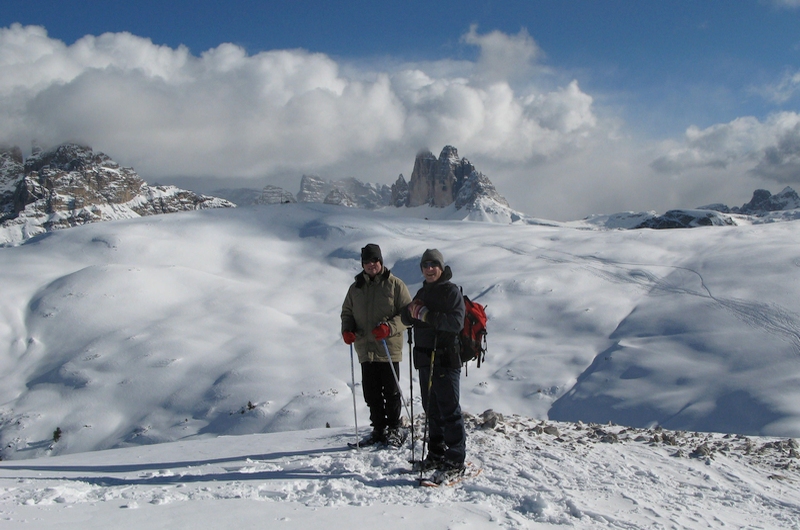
443,323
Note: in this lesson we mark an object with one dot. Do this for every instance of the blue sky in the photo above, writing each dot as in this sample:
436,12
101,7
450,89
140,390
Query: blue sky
652,71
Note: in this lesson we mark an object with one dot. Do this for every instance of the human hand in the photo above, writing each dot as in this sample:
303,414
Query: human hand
349,337
417,310
381,331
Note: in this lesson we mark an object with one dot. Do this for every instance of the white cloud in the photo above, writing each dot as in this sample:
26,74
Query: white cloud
275,115
503,57
782,91
768,149
227,113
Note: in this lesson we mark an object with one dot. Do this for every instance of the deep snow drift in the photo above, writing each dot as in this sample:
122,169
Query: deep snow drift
226,322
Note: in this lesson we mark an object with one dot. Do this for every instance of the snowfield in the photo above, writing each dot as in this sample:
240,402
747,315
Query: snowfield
191,363
532,475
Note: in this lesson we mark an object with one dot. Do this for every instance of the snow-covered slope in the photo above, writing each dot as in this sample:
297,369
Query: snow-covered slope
182,328
155,329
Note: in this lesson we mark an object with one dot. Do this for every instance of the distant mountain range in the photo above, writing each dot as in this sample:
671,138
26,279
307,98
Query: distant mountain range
762,208
444,182
72,185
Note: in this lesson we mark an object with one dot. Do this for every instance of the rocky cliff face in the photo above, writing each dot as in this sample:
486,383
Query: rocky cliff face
763,201
72,185
251,196
275,195
348,192
449,179
11,171
437,181
476,191
399,191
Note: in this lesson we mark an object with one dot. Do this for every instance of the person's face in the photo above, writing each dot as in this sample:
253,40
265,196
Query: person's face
431,271
372,267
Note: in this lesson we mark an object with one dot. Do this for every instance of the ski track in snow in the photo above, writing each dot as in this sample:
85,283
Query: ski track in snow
557,474
769,317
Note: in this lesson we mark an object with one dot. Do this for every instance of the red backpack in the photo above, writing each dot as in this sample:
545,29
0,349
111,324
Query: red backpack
473,336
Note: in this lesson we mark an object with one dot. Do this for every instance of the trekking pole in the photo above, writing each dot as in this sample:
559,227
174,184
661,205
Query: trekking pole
411,390
396,378
353,377
428,401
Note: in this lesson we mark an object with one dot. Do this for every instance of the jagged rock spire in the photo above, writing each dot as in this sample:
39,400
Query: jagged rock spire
437,181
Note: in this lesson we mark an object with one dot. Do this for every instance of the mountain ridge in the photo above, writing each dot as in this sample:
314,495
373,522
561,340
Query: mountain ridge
438,182
72,185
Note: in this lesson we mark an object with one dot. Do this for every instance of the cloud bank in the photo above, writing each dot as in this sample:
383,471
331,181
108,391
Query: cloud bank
226,114
771,149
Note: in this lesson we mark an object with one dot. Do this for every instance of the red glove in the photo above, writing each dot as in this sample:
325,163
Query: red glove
349,337
381,331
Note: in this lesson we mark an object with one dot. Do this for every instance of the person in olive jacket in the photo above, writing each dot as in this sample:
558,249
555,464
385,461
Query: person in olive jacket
437,315
370,315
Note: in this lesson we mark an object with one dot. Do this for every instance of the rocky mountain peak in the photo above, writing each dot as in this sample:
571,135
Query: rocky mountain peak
448,179
68,157
72,185
275,195
349,192
435,181
764,201
475,188
313,188
400,192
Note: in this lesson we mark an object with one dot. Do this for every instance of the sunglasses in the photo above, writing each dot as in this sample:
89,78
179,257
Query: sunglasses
430,264
370,261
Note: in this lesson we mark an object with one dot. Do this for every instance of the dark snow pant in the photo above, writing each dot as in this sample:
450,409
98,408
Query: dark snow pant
446,434
381,394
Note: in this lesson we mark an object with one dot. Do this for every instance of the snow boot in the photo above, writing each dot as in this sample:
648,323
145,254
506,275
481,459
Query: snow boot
396,436
448,472
430,463
373,438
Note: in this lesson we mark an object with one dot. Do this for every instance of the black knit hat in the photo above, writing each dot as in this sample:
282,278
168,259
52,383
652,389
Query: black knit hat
371,252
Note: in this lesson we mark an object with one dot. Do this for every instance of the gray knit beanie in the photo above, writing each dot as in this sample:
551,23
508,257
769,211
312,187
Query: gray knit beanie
432,255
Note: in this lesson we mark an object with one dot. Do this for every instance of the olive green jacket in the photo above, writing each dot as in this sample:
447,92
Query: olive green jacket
369,302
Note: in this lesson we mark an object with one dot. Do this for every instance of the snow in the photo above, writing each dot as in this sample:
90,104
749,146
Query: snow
193,360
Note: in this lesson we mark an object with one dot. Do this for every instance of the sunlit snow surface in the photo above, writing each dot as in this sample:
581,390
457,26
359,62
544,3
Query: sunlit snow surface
181,328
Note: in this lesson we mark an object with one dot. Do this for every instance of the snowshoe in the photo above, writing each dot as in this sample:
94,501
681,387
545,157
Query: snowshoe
448,474
396,437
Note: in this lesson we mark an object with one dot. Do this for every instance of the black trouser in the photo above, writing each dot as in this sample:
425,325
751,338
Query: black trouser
446,434
381,394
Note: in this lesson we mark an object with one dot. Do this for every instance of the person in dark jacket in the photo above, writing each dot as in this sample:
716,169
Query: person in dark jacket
371,322
437,315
